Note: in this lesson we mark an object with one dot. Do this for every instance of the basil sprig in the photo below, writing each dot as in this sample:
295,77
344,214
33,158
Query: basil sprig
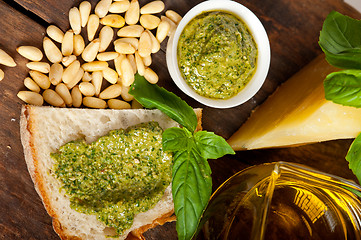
191,175
344,87
340,40
353,157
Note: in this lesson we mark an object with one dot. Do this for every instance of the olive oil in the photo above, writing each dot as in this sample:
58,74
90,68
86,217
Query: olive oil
284,201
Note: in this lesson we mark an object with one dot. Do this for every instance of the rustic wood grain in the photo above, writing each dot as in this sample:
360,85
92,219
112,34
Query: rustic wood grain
293,28
22,213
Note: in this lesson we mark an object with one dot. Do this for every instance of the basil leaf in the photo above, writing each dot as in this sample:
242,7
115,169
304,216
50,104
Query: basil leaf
344,87
339,41
152,96
191,188
212,146
354,157
191,174
177,139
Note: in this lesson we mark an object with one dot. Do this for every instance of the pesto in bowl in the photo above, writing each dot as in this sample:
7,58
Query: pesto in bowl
227,91
217,54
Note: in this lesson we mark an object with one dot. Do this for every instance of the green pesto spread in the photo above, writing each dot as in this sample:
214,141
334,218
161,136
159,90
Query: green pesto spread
217,55
117,176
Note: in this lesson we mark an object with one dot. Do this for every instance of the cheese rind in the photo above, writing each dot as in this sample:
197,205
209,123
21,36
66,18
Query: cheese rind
297,113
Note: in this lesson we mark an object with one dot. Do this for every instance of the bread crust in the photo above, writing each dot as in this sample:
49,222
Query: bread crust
28,131
138,233
27,139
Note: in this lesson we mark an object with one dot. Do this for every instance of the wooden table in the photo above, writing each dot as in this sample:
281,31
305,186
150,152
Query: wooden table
293,29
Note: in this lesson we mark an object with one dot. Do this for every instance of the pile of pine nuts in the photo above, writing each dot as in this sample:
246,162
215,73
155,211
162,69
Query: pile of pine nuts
7,60
74,77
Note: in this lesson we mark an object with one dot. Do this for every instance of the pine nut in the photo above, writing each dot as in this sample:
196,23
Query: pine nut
93,102
119,7
139,63
92,27
86,77
71,71
68,43
132,14
87,89
136,105
147,61
42,67
84,9
123,47
132,62
117,62
125,95
75,20
62,90
95,66
162,30
76,79
149,21
152,7
52,52
172,15
97,80
68,60
127,72
79,45
106,35
133,41
145,45
56,73
41,79
91,51
130,31
172,27
55,33
113,20
7,60
2,74
151,76
110,75
31,85
32,53
30,97
76,96
107,56
51,97
155,43
102,8
112,91
118,104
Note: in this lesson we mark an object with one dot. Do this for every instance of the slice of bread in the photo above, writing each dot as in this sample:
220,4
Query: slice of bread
45,129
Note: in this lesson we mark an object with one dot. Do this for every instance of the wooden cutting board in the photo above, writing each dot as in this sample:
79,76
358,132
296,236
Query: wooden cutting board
293,29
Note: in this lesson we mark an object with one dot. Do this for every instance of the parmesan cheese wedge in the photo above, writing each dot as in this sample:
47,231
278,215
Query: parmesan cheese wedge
297,113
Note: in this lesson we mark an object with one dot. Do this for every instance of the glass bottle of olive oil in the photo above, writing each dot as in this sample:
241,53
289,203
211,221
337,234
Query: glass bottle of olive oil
284,201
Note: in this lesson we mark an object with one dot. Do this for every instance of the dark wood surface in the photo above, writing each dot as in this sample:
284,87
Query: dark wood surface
293,28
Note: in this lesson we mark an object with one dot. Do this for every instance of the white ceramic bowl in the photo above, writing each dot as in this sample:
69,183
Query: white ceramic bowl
259,35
